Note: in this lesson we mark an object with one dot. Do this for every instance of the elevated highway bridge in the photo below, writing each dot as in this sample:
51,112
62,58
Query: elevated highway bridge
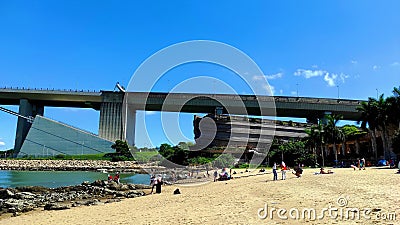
110,104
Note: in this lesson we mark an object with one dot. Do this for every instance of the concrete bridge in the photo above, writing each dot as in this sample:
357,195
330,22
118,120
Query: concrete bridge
112,125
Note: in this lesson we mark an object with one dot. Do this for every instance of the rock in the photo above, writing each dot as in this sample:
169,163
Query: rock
6,193
25,195
113,186
112,200
55,206
12,210
33,189
142,186
123,187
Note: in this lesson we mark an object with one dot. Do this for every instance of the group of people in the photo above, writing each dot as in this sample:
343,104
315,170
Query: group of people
360,164
115,178
224,175
298,171
283,171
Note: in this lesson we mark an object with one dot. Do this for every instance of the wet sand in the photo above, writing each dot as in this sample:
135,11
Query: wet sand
243,200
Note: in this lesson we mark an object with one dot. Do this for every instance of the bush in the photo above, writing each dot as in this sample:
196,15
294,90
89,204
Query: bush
117,158
200,160
60,156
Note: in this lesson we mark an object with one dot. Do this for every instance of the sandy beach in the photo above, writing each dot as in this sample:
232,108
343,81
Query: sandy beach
375,192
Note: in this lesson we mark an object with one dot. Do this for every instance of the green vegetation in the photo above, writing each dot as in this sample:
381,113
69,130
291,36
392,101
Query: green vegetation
381,116
145,156
292,151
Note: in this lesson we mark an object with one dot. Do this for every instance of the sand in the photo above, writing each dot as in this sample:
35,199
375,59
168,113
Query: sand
238,201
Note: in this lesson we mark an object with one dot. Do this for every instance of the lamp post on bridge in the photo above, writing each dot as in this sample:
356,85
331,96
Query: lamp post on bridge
338,91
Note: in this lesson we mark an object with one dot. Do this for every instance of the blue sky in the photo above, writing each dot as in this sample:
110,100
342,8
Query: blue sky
304,47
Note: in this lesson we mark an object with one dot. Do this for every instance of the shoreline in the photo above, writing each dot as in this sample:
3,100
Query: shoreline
71,165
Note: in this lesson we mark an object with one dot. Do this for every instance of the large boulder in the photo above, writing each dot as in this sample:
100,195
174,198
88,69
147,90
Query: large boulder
6,193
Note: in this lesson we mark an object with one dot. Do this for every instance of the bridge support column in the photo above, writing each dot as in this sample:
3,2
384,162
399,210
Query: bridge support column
110,125
129,126
116,122
25,109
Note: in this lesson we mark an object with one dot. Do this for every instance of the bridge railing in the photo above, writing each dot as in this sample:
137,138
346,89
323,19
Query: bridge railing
46,89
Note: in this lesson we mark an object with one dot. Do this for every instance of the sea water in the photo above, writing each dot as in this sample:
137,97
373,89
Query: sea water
52,179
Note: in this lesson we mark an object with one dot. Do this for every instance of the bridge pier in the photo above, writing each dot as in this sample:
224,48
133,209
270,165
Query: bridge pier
110,124
27,109
115,124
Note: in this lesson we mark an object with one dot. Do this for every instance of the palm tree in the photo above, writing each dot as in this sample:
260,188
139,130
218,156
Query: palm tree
394,107
368,121
311,140
332,133
382,122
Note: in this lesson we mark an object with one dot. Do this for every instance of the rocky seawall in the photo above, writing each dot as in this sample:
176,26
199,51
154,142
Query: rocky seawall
24,199
70,165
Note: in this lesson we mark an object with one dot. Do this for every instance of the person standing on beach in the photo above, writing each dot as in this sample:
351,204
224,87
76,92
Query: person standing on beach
157,183
283,169
215,175
274,172
152,179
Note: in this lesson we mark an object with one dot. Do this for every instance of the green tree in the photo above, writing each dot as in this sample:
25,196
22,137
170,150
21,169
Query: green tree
174,154
121,148
332,133
368,121
396,142
315,140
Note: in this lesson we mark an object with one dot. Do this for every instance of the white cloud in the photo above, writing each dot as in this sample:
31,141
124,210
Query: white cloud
270,87
293,93
270,77
395,64
314,66
343,77
2,143
309,73
274,76
353,62
330,79
375,67
281,92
